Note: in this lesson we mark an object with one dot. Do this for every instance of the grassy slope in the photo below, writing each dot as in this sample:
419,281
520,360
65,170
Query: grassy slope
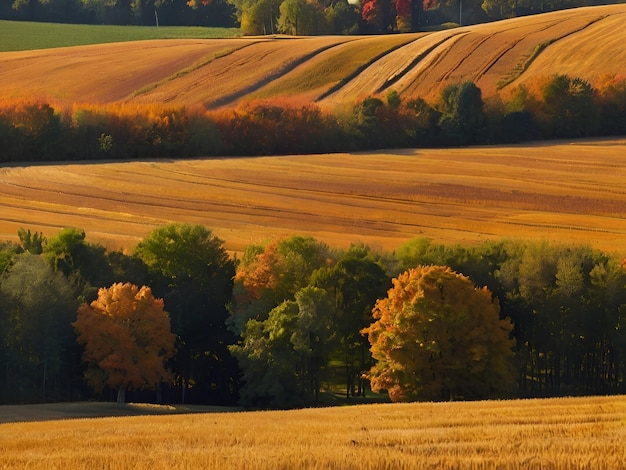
585,42
557,192
551,433
23,36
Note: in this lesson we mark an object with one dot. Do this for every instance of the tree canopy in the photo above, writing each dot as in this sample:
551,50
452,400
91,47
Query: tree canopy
437,336
354,283
273,272
294,325
127,338
282,356
287,16
37,305
189,267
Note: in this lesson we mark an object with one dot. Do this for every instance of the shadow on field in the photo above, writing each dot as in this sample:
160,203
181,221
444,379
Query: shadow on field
78,410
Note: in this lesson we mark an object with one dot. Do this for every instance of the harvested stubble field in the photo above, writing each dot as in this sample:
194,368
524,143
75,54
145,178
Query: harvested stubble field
560,433
332,70
559,192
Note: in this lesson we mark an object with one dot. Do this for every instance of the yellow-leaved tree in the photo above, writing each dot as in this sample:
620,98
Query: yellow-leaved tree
437,337
127,338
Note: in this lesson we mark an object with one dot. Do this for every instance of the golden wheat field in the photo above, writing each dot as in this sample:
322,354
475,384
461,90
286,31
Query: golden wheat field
583,42
558,192
558,433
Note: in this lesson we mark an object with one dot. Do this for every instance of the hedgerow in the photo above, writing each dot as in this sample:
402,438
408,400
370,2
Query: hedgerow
545,108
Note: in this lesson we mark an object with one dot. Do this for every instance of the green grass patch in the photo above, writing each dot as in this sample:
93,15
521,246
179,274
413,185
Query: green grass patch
523,65
23,35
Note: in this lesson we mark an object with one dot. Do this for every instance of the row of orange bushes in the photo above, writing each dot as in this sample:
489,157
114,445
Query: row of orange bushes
553,107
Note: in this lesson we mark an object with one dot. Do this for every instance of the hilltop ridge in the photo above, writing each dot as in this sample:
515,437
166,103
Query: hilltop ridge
585,42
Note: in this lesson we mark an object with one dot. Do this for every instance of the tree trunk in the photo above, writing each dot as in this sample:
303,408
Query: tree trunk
121,396
43,382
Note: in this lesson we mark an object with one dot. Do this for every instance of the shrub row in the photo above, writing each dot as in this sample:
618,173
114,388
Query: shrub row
547,108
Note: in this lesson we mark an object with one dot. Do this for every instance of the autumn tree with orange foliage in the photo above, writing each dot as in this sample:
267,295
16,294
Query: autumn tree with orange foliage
127,338
438,337
272,273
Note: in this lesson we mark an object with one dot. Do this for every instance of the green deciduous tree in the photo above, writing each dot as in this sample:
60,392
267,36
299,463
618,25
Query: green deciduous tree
192,271
273,273
570,107
127,338
283,356
499,9
8,251
355,282
342,17
33,243
257,16
37,308
462,115
85,264
437,336
300,17
566,302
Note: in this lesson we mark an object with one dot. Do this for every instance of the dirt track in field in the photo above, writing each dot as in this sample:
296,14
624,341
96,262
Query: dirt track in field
584,42
566,192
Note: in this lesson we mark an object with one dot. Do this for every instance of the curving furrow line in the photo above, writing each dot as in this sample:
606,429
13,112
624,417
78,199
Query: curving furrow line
540,46
414,63
286,68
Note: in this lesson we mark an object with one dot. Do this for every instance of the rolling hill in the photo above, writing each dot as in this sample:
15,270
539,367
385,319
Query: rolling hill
585,42
554,191
559,192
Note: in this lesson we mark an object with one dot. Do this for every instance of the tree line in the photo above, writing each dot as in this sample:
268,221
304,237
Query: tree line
299,17
545,108
290,320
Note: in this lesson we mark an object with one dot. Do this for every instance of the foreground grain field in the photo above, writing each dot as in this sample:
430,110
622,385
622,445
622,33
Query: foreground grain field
559,192
549,433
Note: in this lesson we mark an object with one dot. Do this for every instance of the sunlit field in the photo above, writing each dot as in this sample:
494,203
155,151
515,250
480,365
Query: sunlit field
549,433
197,70
558,192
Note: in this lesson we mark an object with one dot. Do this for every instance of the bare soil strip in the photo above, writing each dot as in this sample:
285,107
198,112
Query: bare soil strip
572,192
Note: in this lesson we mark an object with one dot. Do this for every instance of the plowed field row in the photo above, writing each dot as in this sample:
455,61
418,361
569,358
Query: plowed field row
566,192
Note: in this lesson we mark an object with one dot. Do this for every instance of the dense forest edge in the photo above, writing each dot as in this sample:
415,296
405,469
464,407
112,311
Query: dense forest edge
295,322
545,108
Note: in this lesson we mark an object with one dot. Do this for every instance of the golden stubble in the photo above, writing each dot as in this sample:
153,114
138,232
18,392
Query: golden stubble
547,433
